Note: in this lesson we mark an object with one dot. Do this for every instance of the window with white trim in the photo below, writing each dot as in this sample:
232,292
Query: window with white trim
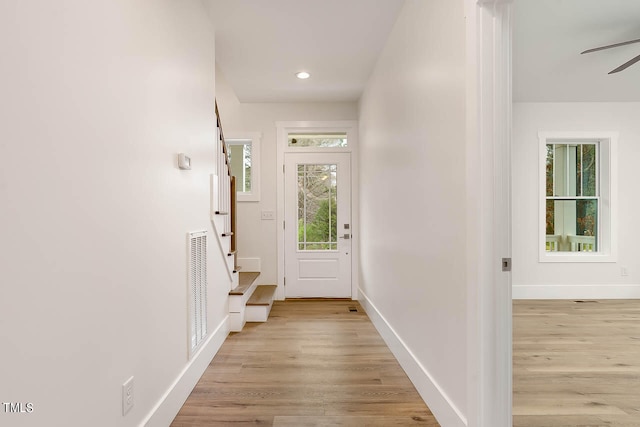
318,139
244,155
577,195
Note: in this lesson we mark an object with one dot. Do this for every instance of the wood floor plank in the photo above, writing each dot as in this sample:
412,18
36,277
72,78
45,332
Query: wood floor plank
187,420
354,421
576,364
557,420
314,363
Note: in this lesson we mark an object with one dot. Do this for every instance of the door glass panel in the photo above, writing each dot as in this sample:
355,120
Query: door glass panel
325,140
317,210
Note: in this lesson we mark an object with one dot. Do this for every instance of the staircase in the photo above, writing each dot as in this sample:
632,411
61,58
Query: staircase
248,301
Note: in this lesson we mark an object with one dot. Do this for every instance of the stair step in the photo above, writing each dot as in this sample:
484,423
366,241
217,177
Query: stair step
231,253
244,282
227,234
263,295
222,213
237,268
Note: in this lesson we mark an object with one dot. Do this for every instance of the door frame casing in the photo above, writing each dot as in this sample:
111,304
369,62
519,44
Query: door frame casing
489,313
283,129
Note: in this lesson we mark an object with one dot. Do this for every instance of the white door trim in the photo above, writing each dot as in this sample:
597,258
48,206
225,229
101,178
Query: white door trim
283,129
489,105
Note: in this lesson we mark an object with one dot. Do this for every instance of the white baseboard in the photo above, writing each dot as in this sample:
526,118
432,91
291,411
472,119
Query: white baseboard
249,264
170,403
436,399
631,291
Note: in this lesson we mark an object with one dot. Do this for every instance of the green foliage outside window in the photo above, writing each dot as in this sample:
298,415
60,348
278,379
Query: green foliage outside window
323,228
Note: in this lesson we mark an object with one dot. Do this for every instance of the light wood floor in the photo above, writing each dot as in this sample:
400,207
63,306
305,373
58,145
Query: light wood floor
576,364
314,363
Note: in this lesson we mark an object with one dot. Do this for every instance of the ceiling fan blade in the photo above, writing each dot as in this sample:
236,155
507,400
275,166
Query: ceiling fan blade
610,46
626,65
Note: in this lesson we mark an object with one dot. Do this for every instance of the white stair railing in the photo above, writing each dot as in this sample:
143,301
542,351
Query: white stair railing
221,206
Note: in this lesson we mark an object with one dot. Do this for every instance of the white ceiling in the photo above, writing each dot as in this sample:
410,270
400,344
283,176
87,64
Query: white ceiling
261,44
548,38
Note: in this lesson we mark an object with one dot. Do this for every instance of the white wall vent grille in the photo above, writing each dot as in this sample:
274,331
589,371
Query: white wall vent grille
197,289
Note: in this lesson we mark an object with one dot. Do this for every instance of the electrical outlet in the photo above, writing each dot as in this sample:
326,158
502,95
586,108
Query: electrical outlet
624,271
127,396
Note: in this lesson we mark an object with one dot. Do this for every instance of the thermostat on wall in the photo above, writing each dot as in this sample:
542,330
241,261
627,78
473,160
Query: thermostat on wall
184,162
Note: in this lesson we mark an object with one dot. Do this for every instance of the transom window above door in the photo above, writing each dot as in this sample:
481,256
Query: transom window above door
321,140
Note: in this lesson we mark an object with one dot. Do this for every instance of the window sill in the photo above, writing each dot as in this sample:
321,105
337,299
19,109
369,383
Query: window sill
576,257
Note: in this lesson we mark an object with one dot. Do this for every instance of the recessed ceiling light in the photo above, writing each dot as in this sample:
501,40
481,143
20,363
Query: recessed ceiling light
303,75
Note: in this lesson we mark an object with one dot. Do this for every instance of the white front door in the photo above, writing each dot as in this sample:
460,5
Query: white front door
317,231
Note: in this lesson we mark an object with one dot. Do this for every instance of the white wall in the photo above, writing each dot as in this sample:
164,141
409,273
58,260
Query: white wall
532,279
257,238
97,98
413,196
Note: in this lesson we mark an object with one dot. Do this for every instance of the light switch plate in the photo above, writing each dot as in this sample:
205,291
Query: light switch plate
268,215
